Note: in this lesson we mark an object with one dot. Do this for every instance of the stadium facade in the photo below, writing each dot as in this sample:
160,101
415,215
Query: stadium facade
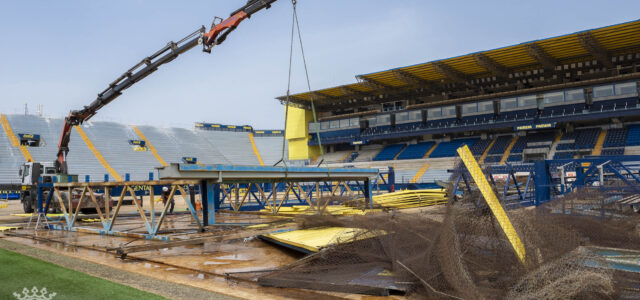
568,96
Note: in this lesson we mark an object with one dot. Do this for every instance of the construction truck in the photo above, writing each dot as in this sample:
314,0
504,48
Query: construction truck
220,29
35,174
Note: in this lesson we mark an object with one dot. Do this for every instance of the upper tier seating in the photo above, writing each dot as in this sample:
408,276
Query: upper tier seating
615,138
523,141
583,139
518,114
480,146
614,104
389,152
446,149
561,110
416,150
613,151
501,144
633,135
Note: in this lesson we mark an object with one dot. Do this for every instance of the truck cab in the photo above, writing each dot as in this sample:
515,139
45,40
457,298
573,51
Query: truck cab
33,173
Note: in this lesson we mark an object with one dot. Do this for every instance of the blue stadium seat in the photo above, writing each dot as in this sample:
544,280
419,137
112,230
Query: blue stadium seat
518,115
614,104
389,152
612,151
501,144
416,151
562,110
441,123
633,135
447,149
615,138
408,126
479,119
514,158
583,139
521,144
492,158
564,155
480,146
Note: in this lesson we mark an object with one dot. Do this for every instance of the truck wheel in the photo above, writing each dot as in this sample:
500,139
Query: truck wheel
26,206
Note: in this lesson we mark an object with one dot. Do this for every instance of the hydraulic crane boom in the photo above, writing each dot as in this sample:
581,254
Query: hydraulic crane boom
148,65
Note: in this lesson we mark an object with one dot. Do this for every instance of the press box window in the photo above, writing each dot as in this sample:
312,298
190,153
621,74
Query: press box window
469,108
415,115
486,106
574,95
449,111
434,112
508,103
334,124
526,101
401,117
555,97
344,123
628,88
603,91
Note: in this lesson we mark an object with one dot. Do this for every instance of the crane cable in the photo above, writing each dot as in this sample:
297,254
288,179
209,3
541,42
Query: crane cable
296,25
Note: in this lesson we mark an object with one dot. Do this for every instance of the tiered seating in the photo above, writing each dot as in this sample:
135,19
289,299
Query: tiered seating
522,143
80,160
479,119
583,139
501,144
518,115
442,122
561,110
615,138
514,158
492,159
377,130
564,154
235,146
480,146
10,160
367,153
416,150
633,136
615,104
270,148
389,152
613,151
351,157
112,140
446,149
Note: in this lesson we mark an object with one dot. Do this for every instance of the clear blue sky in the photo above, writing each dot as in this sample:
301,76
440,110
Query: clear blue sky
62,53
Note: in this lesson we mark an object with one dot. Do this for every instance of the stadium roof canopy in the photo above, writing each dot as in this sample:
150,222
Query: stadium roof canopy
598,44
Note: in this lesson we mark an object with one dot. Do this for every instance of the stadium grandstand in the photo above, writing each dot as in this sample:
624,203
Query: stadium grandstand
569,96
120,151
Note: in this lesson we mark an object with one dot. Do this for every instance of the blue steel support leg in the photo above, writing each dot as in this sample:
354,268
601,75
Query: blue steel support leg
46,205
40,196
204,196
542,182
213,198
368,196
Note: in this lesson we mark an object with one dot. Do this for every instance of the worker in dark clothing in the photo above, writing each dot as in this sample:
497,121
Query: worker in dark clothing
165,197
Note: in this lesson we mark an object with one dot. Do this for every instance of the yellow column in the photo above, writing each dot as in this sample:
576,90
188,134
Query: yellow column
492,201
508,151
97,154
14,140
150,146
255,149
